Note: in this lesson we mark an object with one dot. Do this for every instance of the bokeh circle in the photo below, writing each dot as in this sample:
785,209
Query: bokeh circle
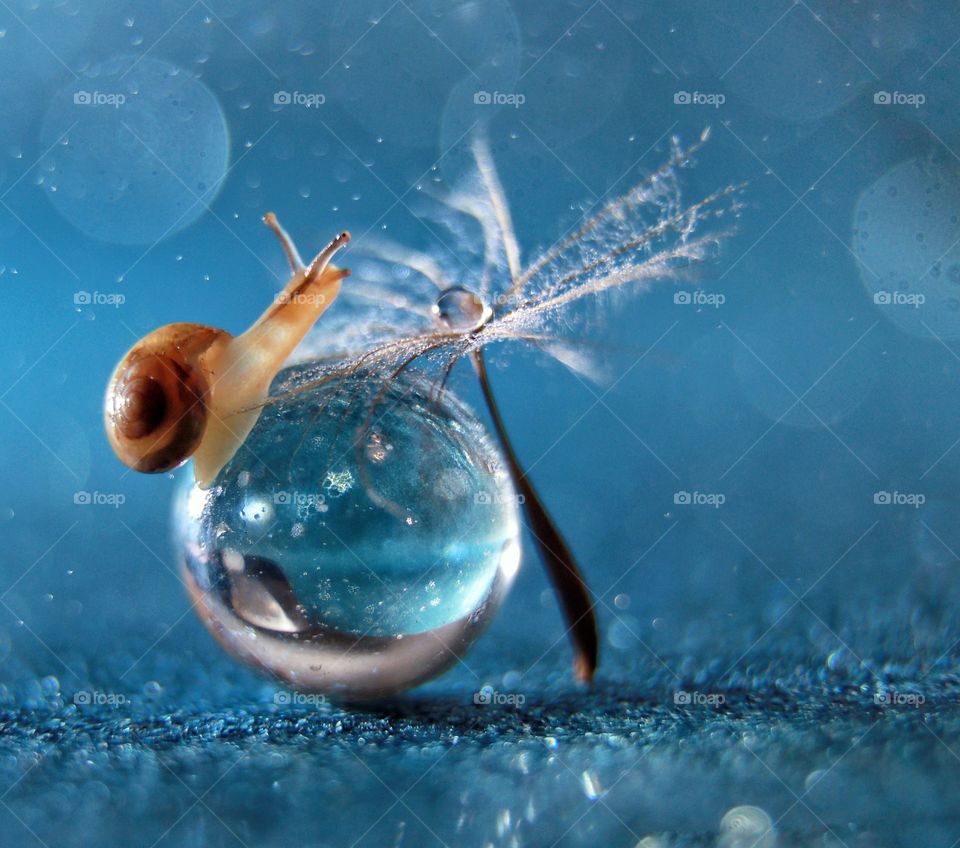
907,238
137,149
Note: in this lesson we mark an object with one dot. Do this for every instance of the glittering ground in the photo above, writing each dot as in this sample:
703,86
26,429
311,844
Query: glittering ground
824,758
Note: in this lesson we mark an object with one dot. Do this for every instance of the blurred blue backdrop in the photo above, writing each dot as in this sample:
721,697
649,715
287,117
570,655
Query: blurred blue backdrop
814,392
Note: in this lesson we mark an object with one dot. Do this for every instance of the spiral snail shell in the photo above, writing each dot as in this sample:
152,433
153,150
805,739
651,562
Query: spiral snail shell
189,390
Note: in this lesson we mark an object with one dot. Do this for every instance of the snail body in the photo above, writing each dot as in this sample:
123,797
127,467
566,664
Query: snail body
189,390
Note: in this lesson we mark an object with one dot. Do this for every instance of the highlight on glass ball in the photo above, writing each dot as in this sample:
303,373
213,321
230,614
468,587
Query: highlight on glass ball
350,526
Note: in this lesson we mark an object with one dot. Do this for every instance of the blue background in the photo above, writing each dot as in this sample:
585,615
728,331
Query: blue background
818,614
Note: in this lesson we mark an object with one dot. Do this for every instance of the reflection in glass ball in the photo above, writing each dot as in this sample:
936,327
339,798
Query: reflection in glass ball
359,541
137,149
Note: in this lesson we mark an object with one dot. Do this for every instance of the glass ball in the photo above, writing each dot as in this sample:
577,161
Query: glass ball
358,542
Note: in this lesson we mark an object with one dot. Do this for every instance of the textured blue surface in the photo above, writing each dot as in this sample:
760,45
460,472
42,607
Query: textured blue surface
790,648
825,761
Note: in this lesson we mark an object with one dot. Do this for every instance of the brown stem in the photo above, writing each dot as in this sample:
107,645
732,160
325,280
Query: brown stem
568,583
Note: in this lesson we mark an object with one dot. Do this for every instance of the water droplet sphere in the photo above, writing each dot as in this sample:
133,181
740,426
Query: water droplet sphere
359,541
458,308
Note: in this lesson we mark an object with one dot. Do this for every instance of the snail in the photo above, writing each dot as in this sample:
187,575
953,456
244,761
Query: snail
189,390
